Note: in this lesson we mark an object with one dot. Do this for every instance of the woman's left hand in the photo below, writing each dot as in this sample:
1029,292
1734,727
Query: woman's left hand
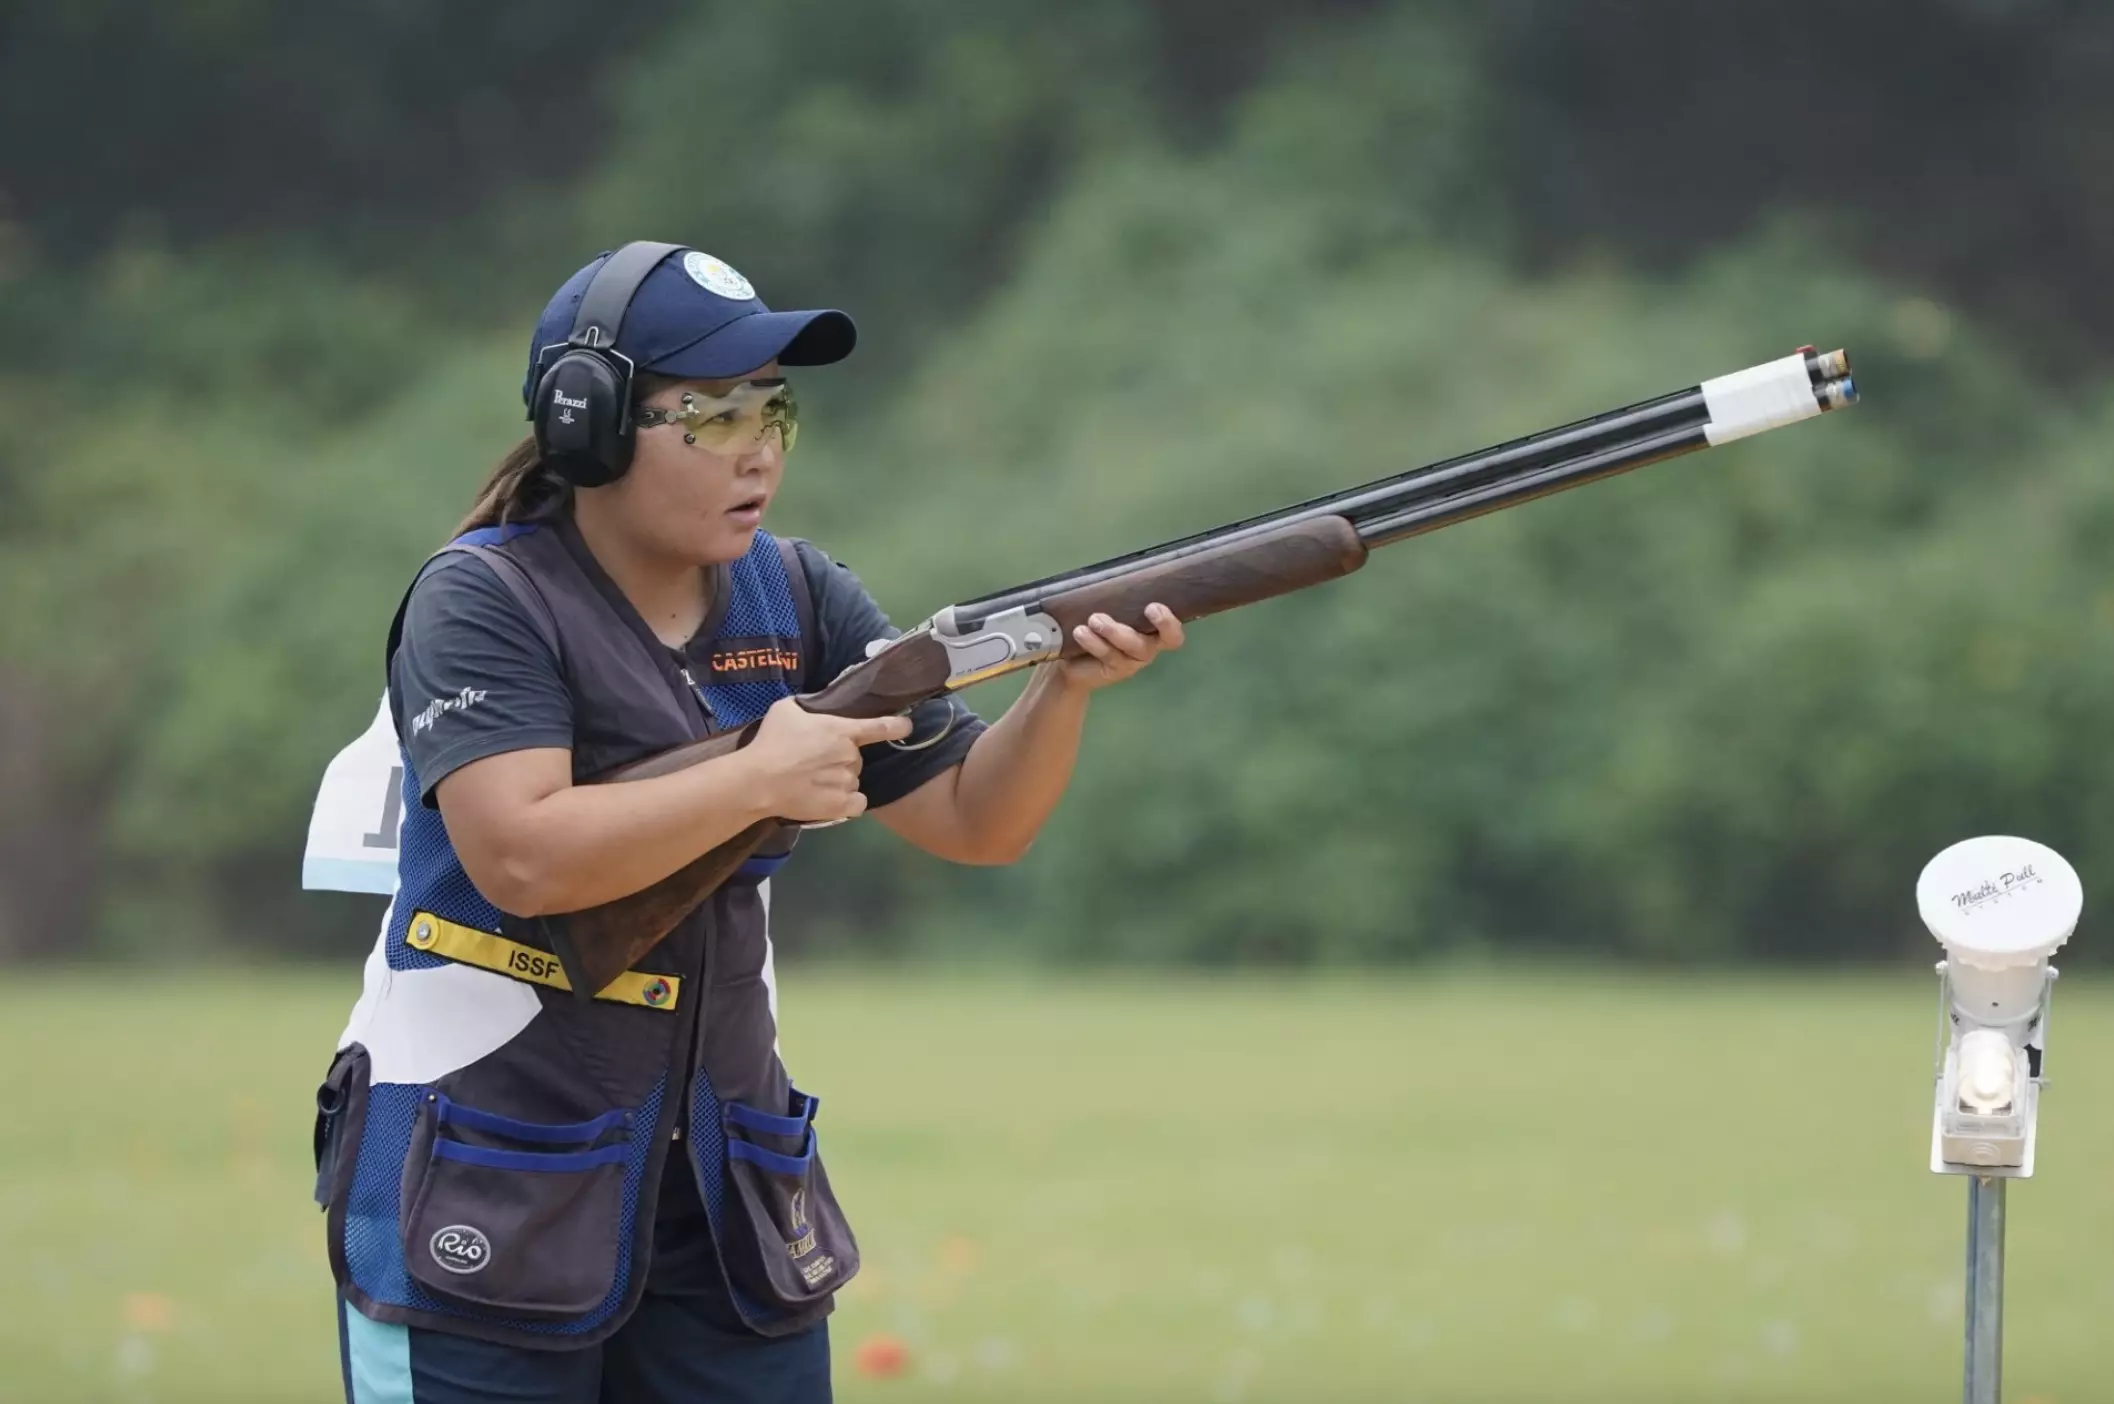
1117,651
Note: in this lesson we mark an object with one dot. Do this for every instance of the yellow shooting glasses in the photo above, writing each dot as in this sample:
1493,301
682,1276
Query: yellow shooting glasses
735,422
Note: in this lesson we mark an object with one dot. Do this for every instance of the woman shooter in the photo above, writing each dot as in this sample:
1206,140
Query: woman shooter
535,1196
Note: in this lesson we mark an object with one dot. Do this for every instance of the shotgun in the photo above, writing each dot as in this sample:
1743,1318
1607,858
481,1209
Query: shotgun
1238,564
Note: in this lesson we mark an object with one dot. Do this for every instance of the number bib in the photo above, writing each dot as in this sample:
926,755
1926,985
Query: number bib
352,835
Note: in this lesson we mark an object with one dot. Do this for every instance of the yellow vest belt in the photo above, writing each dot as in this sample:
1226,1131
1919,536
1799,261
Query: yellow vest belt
441,937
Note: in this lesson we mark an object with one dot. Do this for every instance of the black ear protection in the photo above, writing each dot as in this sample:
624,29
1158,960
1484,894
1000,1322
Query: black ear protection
582,404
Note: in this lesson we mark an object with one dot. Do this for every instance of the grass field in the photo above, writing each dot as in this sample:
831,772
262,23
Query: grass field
1445,1189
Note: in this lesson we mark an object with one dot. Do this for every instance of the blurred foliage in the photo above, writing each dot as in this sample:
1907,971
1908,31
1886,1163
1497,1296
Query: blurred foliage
226,117
1958,143
1126,270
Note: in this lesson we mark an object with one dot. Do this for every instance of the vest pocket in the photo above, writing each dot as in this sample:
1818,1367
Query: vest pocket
787,1243
514,1217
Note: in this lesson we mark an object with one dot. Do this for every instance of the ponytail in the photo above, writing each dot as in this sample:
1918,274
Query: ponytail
523,488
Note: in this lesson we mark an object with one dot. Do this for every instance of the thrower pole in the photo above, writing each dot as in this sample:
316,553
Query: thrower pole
1985,1290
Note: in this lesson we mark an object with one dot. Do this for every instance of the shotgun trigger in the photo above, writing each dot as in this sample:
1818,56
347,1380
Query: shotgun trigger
999,643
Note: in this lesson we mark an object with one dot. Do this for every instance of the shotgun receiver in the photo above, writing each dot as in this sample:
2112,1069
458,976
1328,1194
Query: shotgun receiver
1274,554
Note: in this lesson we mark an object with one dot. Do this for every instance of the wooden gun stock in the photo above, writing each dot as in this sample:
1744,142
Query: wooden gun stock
600,943
597,944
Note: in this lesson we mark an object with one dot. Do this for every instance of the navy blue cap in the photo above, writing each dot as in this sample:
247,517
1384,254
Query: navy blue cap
697,319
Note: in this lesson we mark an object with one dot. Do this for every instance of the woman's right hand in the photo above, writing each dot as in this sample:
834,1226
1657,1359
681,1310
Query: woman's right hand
808,764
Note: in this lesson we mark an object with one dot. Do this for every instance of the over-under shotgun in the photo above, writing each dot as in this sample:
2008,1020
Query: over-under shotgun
1238,564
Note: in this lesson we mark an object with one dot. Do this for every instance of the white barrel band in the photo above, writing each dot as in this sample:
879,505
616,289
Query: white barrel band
1758,398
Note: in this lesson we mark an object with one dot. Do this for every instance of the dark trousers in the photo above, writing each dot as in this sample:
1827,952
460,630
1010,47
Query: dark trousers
675,1349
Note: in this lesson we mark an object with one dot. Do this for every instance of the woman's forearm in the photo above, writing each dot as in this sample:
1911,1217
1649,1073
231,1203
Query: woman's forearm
583,845
534,843
989,808
587,844
1013,777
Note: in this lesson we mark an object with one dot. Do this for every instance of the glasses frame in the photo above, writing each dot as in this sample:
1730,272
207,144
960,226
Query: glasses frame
787,423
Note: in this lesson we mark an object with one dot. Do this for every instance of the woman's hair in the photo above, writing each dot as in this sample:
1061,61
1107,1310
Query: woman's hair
524,488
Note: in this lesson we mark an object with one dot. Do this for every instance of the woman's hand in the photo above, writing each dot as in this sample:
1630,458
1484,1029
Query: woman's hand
806,765
1117,651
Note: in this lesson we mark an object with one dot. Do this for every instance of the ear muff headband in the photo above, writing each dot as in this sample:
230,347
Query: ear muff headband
582,405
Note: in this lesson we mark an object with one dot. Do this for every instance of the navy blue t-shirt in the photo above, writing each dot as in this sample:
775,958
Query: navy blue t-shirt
473,677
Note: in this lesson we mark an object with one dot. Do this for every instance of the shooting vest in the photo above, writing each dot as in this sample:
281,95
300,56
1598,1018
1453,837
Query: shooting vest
490,1145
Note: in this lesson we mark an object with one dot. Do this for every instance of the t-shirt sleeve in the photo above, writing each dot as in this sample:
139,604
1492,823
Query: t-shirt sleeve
847,619
472,676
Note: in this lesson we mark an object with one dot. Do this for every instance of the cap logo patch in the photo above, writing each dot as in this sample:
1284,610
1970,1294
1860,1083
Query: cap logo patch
716,277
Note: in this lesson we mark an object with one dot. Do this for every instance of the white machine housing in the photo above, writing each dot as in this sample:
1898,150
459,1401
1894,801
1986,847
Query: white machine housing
2000,906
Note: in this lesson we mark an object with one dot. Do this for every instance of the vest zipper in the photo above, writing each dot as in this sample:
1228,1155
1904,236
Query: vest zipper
702,701
697,1035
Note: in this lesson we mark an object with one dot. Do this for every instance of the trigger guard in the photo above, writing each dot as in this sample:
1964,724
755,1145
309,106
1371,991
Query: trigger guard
954,716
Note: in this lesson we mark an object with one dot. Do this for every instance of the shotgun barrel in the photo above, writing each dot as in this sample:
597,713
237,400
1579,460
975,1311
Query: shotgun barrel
1746,402
1487,495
